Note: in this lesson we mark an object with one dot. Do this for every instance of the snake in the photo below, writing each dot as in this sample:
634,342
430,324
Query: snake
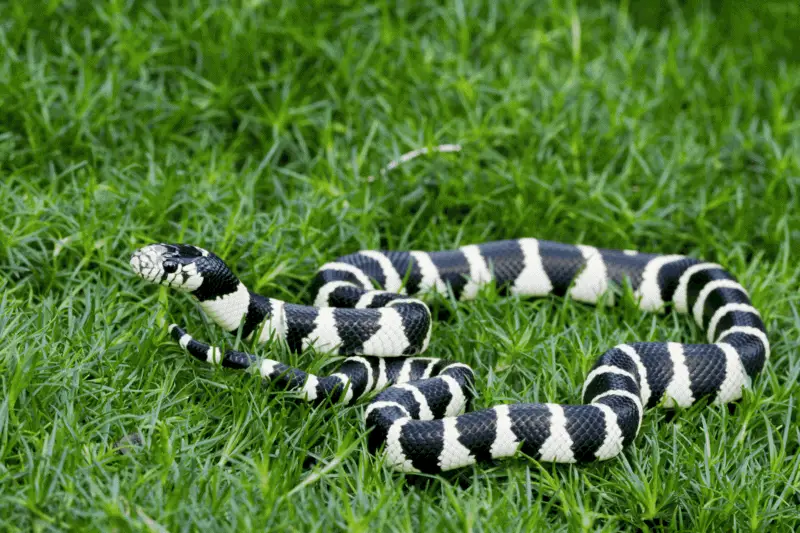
370,306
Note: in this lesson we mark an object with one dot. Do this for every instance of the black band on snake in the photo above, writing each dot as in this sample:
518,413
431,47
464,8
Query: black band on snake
364,309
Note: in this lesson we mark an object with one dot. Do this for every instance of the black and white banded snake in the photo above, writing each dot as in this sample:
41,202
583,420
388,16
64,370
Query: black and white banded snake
364,310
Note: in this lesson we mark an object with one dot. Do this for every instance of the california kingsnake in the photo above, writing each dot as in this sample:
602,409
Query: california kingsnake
362,310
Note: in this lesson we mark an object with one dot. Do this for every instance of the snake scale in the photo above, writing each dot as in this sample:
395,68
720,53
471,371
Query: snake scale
367,308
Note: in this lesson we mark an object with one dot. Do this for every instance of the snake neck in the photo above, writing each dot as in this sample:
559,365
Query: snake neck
222,296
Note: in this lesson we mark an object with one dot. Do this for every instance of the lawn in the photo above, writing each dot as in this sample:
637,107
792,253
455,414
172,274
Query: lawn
252,128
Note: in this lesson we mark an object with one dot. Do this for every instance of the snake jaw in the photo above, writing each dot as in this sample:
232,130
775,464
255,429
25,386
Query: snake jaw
171,265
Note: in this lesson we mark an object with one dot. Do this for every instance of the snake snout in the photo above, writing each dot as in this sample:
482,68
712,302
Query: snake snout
146,263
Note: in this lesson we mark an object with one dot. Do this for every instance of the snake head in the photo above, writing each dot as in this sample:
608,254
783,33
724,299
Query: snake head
180,266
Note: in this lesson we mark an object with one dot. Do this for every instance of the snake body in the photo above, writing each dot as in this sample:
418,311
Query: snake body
365,308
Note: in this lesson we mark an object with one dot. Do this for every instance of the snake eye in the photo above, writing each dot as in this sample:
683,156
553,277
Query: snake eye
170,266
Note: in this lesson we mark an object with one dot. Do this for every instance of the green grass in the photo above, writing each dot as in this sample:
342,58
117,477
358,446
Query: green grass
251,127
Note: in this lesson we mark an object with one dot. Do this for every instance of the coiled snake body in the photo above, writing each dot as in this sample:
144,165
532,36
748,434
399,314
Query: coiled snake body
364,309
